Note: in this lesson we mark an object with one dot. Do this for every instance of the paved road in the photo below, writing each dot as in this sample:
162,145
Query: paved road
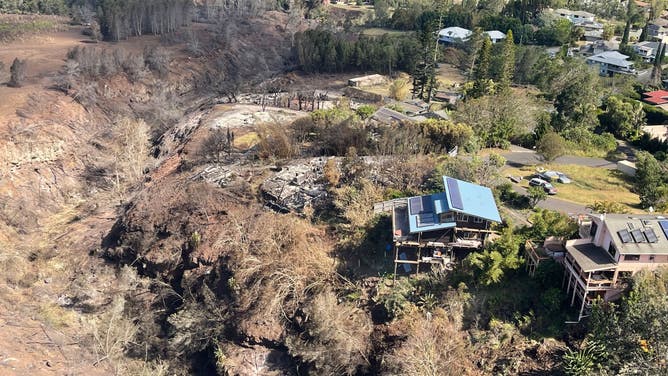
519,156
553,203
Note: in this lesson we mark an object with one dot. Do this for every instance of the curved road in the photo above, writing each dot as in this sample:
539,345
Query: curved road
518,156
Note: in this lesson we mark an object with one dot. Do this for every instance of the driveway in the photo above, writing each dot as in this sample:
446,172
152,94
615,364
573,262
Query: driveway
518,156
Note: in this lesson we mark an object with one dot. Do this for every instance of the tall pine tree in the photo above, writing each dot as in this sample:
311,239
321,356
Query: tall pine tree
482,83
424,75
507,62
655,78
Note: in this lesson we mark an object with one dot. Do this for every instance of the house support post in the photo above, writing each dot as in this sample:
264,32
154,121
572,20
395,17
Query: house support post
396,257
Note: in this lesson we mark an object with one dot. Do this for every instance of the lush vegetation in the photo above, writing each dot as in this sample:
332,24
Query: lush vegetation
630,335
324,51
59,7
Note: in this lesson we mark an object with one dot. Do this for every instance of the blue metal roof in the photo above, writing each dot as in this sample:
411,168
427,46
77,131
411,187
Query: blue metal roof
477,200
459,197
424,214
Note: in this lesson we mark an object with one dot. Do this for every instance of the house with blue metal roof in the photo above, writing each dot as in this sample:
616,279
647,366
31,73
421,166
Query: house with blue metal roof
459,217
461,201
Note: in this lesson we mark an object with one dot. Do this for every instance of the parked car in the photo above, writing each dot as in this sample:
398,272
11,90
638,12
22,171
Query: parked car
537,182
554,176
563,179
547,175
549,188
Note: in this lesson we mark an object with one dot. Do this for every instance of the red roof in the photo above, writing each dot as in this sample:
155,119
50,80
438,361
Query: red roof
656,97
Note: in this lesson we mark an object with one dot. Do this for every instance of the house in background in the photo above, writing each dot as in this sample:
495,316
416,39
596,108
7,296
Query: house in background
434,230
658,29
454,34
365,81
612,248
647,50
495,36
575,16
611,62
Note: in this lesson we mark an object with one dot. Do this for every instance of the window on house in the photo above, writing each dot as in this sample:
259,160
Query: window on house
447,217
477,220
651,258
462,217
631,257
612,250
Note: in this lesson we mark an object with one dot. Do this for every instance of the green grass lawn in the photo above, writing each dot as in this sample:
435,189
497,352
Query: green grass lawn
378,31
589,184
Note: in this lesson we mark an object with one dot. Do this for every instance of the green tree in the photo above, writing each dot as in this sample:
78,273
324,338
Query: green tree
550,146
482,84
496,119
655,77
608,32
649,181
624,119
381,9
507,62
607,207
545,222
536,194
634,333
502,255
424,74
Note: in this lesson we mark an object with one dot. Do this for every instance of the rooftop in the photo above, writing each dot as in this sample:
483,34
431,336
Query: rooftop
647,44
590,257
611,58
387,116
455,32
459,197
495,34
656,97
473,199
638,234
662,22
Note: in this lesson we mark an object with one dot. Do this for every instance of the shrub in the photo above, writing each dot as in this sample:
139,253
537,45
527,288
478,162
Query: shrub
332,173
18,73
337,337
432,347
607,207
550,146
275,142
365,111
157,60
399,89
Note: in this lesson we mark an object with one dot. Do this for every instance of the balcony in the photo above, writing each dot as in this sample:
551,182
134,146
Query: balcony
591,266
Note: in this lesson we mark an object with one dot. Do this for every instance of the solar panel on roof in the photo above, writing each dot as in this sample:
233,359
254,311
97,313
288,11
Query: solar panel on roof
455,195
427,204
651,236
638,236
425,220
664,227
625,236
415,204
